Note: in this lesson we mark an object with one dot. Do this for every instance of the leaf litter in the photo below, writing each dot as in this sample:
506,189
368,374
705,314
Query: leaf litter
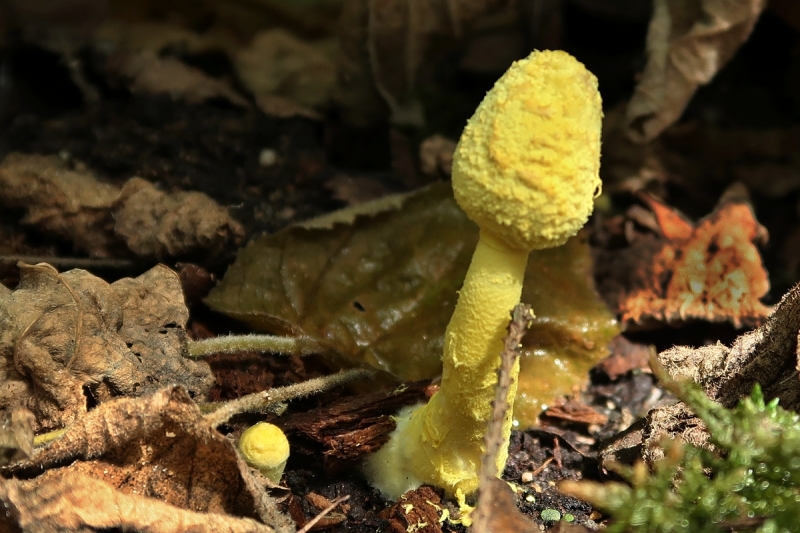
627,363
69,341
103,220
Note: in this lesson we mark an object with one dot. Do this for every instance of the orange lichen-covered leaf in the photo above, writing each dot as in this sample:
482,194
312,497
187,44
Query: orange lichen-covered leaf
714,273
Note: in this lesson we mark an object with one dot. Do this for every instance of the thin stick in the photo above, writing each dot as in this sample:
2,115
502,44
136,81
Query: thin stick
325,511
253,343
253,403
521,318
70,262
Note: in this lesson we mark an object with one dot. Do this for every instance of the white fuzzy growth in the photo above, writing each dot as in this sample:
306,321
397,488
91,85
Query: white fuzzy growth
388,469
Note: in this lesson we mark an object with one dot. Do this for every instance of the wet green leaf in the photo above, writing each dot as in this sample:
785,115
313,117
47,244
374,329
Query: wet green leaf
377,284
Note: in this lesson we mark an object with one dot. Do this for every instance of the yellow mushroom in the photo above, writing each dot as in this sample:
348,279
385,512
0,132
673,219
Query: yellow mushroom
526,170
265,447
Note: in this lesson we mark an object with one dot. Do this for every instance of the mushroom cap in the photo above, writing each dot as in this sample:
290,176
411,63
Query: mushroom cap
527,165
264,446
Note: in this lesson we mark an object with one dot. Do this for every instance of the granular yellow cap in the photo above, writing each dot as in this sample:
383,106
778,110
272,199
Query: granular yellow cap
527,165
265,447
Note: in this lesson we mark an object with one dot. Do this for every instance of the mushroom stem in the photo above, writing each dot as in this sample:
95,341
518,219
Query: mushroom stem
442,442
455,418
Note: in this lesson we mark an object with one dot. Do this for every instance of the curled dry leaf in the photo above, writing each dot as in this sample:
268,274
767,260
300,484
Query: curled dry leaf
156,455
706,271
73,502
688,42
280,64
436,155
384,43
149,73
104,221
71,339
377,284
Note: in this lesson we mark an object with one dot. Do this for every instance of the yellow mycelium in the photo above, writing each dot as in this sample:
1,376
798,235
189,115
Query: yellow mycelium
526,171
265,447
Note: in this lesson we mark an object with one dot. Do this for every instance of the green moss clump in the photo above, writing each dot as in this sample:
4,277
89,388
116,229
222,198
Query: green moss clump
749,482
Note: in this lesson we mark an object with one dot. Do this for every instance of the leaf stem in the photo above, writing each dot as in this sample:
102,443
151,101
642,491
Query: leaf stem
253,343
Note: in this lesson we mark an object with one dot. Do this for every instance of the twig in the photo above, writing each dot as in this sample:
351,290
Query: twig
70,262
325,511
521,318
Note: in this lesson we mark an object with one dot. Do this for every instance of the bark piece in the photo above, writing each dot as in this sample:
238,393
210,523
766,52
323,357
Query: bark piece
417,510
767,355
354,426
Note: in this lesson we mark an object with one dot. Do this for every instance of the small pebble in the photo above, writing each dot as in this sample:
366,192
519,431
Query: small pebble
267,157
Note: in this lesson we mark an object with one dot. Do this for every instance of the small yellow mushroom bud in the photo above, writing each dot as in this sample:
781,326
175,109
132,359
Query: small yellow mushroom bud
265,448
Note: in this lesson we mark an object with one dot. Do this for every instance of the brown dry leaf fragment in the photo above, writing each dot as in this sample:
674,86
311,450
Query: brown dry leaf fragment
767,355
147,72
158,446
377,284
16,436
625,356
575,412
63,201
70,339
688,42
280,64
384,42
436,156
103,220
708,271
66,501
157,224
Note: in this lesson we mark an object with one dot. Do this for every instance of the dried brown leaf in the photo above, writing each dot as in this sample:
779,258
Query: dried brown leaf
147,72
68,339
156,224
67,202
16,436
436,155
63,501
278,63
104,221
688,42
384,42
711,270
158,446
